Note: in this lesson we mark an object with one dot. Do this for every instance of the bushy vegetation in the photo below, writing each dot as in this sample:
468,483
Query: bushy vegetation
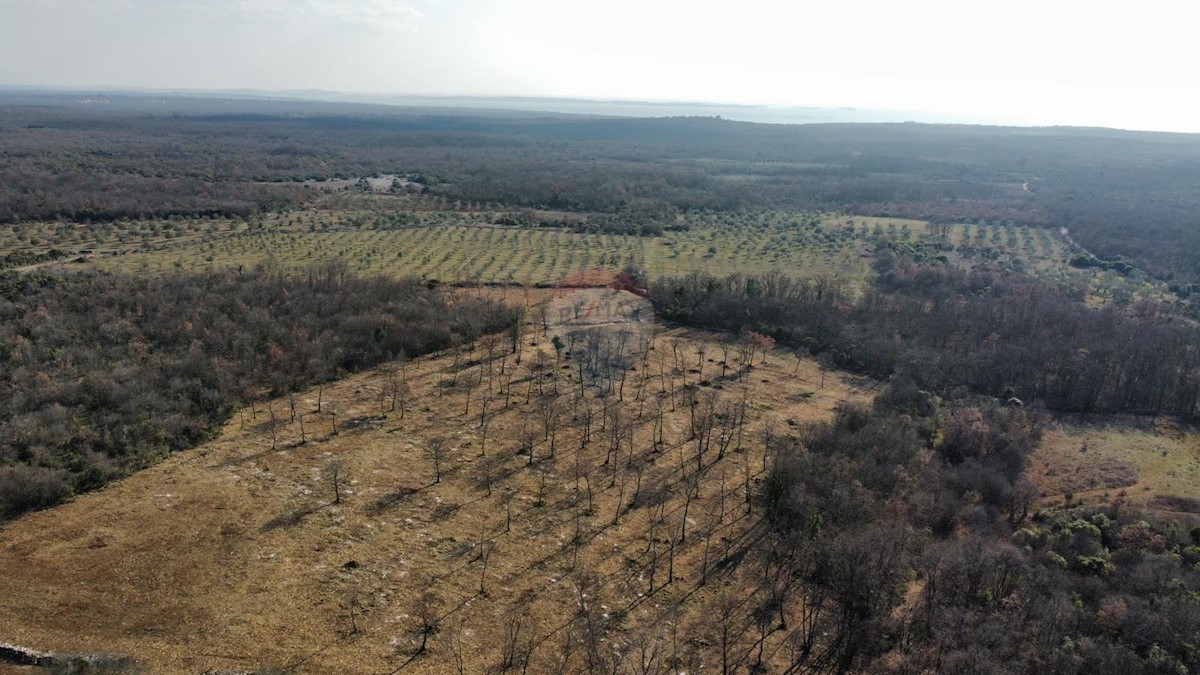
102,374
921,555
18,258
909,527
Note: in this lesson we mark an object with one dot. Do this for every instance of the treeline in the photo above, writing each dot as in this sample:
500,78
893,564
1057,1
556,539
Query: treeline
1120,193
946,329
643,218
22,258
910,552
101,375
32,193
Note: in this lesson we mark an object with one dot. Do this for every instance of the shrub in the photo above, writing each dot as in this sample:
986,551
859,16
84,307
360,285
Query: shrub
26,488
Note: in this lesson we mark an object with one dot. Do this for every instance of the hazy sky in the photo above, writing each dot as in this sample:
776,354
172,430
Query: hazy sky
1128,65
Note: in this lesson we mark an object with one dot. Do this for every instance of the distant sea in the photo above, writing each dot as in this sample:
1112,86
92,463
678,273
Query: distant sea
616,108
218,101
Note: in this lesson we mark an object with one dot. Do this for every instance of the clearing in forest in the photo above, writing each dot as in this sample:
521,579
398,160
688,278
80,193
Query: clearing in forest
1153,462
483,506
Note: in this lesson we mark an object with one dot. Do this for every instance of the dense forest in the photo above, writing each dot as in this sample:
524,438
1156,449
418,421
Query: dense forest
101,375
946,330
1122,195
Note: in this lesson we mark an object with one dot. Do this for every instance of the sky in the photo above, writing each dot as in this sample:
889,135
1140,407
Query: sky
1126,65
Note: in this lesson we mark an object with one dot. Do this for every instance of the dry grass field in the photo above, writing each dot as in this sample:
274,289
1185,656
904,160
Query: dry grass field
1151,462
461,501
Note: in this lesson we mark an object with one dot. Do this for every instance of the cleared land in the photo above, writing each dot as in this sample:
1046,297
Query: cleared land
536,543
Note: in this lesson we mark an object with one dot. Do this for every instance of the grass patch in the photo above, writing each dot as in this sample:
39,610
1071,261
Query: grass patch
1152,461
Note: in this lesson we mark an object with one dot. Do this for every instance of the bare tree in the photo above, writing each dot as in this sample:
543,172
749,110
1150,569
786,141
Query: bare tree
725,614
727,417
616,432
352,605
541,318
512,634
484,421
454,366
538,366
485,554
649,652
764,620
743,405
427,614
577,537
456,649
490,344
516,330
550,412
826,362
713,525
337,474
659,412
401,393
620,495
726,346
587,613
273,423
508,378
541,496
506,499
746,484
749,494
652,544
469,385
436,449
583,469
585,423
527,437
690,491
768,432
561,661
690,396
487,466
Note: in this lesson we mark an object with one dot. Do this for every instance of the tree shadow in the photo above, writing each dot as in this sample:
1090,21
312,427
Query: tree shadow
291,518
392,499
